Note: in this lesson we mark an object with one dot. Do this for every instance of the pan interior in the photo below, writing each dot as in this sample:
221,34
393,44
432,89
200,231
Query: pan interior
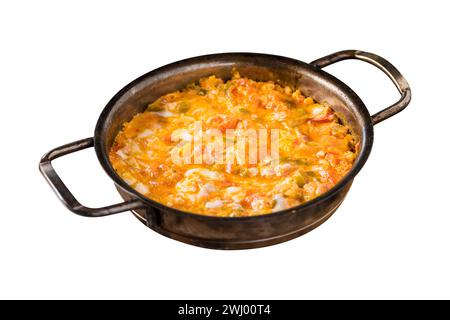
136,96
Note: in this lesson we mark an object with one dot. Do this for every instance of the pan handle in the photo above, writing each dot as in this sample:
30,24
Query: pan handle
49,173
382,64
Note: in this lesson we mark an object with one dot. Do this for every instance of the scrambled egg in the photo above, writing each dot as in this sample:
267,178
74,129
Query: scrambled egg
315,148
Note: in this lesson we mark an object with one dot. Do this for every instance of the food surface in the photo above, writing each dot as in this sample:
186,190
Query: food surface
234,148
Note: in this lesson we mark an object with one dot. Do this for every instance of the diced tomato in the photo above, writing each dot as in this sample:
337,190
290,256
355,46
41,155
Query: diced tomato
331,157
167,139
333,176
322,114
325,118
226,184
247,202
223,122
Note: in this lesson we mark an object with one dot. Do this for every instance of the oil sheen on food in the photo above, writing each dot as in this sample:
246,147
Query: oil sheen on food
315,148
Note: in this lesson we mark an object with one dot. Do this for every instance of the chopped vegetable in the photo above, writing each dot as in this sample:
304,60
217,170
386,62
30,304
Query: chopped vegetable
316,148
155,107
183,107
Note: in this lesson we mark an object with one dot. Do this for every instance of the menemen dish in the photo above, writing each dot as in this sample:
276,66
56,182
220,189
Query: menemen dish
234,148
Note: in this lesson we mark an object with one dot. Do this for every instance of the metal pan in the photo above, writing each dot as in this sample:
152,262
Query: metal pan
236,232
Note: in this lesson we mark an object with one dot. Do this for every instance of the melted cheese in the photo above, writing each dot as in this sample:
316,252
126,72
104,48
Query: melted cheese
315,149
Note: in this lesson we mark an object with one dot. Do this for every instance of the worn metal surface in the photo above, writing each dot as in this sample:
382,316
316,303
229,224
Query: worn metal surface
227,232
396,77
64,194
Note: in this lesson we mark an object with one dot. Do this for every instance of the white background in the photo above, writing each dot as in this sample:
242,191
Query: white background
61,62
